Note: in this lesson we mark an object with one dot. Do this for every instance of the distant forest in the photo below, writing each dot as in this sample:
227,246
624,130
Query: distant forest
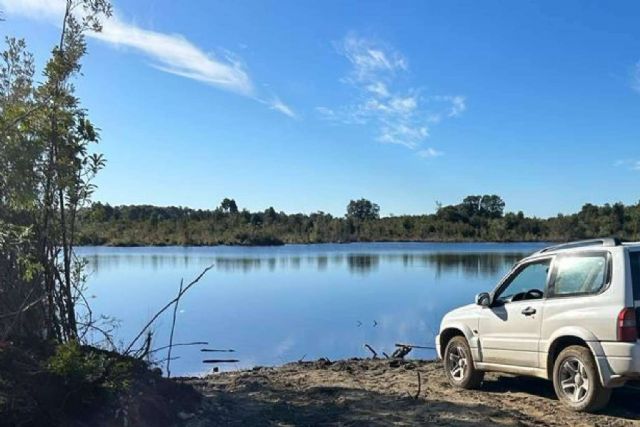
476,218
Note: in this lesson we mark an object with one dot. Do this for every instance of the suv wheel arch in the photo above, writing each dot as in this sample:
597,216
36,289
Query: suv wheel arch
560,344
447,335
578,336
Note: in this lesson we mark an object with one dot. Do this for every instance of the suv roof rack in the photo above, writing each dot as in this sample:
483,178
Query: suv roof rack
605,242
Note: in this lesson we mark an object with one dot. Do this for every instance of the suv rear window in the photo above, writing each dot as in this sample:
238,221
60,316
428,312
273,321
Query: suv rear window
580,274
634,257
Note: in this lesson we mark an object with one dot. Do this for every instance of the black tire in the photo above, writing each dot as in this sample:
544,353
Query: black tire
458,365
577,382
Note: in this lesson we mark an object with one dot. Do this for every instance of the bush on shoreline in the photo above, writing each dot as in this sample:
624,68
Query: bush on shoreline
73,384
469,221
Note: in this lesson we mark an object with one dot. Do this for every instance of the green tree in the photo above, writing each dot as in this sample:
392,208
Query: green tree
362,210
486,206
45,136
229,206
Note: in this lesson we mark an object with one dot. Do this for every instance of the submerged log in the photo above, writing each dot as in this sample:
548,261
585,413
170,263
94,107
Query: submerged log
424,347
220,361
404,349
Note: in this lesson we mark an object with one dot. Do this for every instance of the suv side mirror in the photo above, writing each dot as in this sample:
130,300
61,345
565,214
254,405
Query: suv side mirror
483,299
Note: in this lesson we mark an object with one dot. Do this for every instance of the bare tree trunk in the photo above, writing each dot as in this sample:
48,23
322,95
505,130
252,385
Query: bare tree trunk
67,285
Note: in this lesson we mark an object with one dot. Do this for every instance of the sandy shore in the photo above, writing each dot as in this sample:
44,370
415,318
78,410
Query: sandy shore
386,392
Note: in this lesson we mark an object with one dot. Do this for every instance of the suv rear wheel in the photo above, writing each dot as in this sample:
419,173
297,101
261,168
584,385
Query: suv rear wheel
458,364
576,380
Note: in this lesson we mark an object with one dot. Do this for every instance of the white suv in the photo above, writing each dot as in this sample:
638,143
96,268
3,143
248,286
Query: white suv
566,313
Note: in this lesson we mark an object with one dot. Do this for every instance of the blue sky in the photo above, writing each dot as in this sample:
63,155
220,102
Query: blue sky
305,105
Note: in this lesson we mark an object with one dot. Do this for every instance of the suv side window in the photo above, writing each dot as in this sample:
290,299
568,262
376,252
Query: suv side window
528,282
579,274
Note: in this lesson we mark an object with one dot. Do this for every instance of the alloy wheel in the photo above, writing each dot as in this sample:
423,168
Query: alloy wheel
574,380
458,362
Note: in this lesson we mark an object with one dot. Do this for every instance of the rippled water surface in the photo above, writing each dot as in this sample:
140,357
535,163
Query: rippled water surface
278,304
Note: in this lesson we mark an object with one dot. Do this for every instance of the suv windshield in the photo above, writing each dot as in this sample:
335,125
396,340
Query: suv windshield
634,257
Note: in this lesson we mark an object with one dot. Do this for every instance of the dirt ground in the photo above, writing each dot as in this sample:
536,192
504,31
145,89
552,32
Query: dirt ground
386,392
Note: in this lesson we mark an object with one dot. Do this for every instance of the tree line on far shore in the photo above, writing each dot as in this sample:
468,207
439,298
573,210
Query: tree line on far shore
475,218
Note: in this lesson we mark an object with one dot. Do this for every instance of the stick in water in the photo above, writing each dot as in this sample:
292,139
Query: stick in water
163,309
368,347
173,328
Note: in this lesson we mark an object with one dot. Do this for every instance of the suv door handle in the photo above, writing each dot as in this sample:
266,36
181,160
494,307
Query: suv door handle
529,311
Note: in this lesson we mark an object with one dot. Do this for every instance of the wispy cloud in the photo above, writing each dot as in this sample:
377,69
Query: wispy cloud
635,77
370,59
430,152
171,53
400,114
630,164
278,105
175,54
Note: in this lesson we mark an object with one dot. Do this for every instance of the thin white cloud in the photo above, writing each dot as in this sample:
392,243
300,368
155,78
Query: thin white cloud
379,89
458,105
369,59
630,164
326,112
278,105
175,54
429,153
635,77
171,53
398,113
38,9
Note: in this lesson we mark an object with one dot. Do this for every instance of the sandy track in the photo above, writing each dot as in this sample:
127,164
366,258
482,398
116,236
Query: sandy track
382,392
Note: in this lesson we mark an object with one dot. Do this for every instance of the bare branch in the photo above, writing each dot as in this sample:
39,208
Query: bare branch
104,333
163,309
25,307
173,328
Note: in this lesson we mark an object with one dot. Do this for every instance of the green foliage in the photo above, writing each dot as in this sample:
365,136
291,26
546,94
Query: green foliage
89,372
363,210
229,206
487,206
46,172
76,385
75,365
477,218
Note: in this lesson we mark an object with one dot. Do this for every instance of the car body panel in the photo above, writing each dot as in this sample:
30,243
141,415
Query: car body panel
509,337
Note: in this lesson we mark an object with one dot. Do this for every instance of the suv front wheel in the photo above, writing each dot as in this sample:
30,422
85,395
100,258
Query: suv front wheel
576,380
458,364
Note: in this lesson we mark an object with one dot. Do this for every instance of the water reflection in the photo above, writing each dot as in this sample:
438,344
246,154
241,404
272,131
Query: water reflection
362,263
469,264
274,305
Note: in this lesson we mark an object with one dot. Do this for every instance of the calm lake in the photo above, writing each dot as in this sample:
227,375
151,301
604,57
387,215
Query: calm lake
279,304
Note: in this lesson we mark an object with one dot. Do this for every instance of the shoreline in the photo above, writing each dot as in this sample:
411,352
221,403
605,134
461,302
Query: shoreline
383,392
142,245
